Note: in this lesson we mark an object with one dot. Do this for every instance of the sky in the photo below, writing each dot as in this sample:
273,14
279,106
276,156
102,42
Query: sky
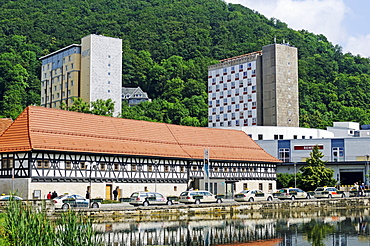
342,22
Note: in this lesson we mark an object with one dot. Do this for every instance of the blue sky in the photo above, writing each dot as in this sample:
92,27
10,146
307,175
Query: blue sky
343,22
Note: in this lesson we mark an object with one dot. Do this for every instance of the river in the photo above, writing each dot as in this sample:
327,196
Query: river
301,228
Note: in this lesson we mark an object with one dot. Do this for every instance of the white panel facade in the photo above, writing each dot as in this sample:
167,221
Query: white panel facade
105,68
232,94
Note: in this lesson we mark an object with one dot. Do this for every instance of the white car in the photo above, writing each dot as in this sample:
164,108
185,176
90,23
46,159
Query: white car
68,201
199,196
252,195
149,198
292,194
328,192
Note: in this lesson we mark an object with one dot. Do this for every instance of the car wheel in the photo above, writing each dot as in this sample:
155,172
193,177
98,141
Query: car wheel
146,204
169,203
329,196
292,198
197,201
95,205
219,201
251,199
65,206
269,198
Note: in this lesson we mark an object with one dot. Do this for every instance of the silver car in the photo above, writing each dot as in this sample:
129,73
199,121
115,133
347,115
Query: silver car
292,194
199,196
149,198
252,195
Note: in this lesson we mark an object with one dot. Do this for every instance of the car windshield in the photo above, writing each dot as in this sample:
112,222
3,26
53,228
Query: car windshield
320,189
185,193
282,191
245,191
135,195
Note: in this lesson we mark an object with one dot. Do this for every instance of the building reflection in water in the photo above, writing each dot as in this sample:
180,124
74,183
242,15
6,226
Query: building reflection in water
336,230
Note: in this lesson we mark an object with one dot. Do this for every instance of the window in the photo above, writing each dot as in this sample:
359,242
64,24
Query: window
7,163
284,154
116,166
260,186
260,136
150,168
270,186
338,154
175,188
182,169
195,168
133,167
102,166
166,168
225,169
68,165
215,169
295,137
82,165
245,186
276,137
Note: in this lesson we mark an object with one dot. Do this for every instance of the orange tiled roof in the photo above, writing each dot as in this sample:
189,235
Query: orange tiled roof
39,128
267,242
4,124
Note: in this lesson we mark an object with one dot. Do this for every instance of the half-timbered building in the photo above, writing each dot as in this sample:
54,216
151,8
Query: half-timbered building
48,149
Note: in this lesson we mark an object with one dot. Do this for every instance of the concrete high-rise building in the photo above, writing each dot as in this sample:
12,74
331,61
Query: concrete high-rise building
91,70
255,89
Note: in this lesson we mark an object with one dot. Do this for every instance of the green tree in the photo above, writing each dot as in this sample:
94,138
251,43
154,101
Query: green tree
99,107
315,173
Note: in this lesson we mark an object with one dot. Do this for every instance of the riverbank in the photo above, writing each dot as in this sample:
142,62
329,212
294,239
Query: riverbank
277,206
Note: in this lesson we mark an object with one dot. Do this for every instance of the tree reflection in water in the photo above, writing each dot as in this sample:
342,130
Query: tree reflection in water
295,228
317,232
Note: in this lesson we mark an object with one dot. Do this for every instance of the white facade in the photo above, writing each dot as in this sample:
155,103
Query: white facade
101,65
232,87
276,132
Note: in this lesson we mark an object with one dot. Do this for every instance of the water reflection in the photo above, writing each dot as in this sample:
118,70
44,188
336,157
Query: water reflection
337,228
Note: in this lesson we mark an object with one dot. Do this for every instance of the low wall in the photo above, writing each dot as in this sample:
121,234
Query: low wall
229,209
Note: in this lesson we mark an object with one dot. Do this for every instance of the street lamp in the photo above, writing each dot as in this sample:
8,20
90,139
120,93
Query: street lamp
367,170
295,175
155,177
92,165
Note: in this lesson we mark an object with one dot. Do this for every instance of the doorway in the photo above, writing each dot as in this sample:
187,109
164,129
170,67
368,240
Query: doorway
108,192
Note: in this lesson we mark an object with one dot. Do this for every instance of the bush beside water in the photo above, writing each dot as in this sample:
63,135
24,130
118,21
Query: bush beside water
23,225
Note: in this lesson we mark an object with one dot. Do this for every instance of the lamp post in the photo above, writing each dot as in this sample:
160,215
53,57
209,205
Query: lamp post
367,171
295,175
92,165
155,177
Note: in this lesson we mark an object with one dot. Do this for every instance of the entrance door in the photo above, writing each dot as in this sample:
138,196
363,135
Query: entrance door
229,190
108,192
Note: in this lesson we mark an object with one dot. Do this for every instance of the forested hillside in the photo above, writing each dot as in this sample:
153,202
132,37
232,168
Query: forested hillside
167,46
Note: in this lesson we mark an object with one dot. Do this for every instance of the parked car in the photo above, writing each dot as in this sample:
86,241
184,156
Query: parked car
252,195
68,201
4,200
199,196
292,194
149,198
328,192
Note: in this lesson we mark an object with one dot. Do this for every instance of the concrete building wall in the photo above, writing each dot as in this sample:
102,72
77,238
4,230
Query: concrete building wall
280,85
101,66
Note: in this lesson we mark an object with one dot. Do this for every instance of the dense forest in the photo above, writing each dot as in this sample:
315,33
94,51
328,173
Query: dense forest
167,47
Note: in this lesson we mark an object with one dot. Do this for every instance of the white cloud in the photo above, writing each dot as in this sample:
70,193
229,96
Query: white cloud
318,16
358,45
